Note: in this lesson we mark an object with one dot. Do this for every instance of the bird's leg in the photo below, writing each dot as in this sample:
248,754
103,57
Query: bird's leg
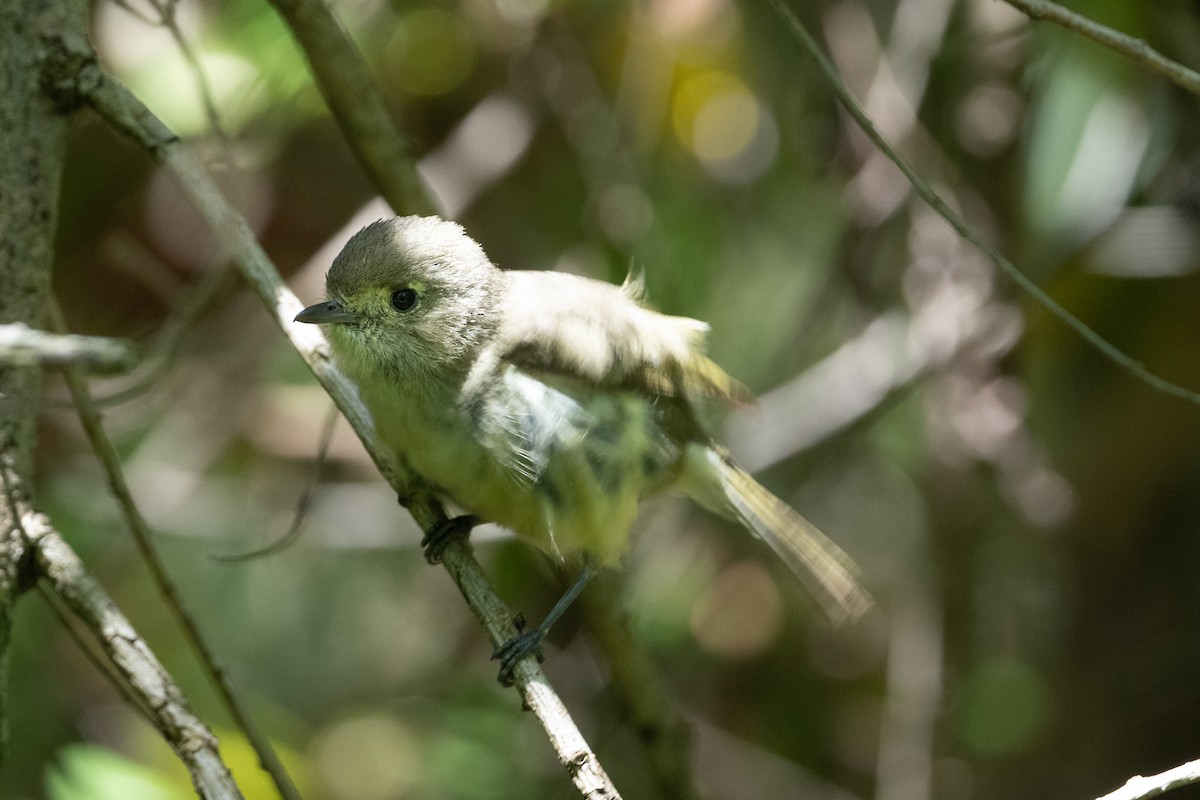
524,644
440,535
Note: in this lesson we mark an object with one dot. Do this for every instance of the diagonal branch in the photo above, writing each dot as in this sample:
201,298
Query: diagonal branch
73,71
1122,43
192,741
141,673
103,447
1140,787
341,74
349,91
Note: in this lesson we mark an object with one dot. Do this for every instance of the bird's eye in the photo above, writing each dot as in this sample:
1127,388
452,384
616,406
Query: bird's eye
404,299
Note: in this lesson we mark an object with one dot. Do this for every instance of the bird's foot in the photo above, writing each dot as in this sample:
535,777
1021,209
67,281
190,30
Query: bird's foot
443,533
511,652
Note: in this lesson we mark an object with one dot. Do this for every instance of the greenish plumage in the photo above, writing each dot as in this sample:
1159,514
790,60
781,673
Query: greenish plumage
548,403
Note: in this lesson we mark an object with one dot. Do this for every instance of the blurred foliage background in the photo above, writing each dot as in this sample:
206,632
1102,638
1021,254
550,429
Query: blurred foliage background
1024,512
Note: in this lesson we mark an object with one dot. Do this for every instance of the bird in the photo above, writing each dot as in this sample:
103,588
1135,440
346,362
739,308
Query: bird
548,403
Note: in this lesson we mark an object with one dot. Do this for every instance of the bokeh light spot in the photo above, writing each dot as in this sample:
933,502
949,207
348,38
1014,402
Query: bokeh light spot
1002,705
431,53
740,614
727,128
370,757
625,213
987,119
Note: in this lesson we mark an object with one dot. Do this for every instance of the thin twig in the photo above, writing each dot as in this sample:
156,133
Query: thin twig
935,201
302,505
92,652
72,68
1140,788
21,345
102,446
160,354
143,16
168,19
1136,788
1122,43
164,349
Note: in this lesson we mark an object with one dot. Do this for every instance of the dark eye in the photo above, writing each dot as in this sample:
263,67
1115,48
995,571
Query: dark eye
404,299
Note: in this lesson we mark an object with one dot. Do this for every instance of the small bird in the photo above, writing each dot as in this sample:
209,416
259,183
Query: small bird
548,403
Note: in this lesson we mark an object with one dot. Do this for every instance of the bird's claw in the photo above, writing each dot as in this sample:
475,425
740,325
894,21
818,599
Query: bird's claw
439,537
511,652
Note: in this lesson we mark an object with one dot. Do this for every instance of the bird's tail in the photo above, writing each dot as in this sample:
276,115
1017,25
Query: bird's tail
716,481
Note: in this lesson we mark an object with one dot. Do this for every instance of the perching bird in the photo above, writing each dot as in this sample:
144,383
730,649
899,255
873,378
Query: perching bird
548,403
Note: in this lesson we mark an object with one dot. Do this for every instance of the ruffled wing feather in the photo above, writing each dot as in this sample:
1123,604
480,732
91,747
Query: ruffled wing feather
603,335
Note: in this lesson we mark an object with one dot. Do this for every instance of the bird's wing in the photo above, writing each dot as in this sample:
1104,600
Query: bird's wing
601,334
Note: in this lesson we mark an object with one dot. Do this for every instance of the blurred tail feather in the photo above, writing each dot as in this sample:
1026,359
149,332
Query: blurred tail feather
821,565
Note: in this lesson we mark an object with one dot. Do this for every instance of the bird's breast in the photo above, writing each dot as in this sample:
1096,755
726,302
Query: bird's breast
563,466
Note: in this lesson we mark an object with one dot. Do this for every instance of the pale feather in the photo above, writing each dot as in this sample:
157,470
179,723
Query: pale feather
602,335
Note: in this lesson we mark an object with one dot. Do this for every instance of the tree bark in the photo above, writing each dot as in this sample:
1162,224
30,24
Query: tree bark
32,146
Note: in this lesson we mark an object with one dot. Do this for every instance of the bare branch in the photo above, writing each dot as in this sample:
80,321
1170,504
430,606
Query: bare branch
1139,787
349,91
23,346
1123,43
107,455
92,652
191,740
74,69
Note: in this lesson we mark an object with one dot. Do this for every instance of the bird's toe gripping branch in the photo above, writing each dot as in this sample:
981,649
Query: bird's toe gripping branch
439,537
511,652
523,644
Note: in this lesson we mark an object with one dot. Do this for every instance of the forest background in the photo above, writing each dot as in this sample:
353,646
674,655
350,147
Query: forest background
1024,510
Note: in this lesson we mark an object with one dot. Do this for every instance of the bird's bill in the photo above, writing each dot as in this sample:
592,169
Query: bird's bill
328,311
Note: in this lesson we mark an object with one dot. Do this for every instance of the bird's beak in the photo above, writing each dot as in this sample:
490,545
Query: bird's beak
329,311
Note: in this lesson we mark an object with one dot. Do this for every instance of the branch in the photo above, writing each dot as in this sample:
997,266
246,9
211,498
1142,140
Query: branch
161,352
32,155
147,679
935,201
23,346
168,19
92,651
342,74
1124,44
74,71
1138,787
350,93
653,714
102,446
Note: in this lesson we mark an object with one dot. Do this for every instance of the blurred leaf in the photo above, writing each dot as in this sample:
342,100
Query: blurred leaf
90,772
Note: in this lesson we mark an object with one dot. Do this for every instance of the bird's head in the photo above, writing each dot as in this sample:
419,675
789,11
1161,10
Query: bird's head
410,298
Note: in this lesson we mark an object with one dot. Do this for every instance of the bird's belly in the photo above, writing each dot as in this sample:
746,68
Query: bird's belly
442,448
562,470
